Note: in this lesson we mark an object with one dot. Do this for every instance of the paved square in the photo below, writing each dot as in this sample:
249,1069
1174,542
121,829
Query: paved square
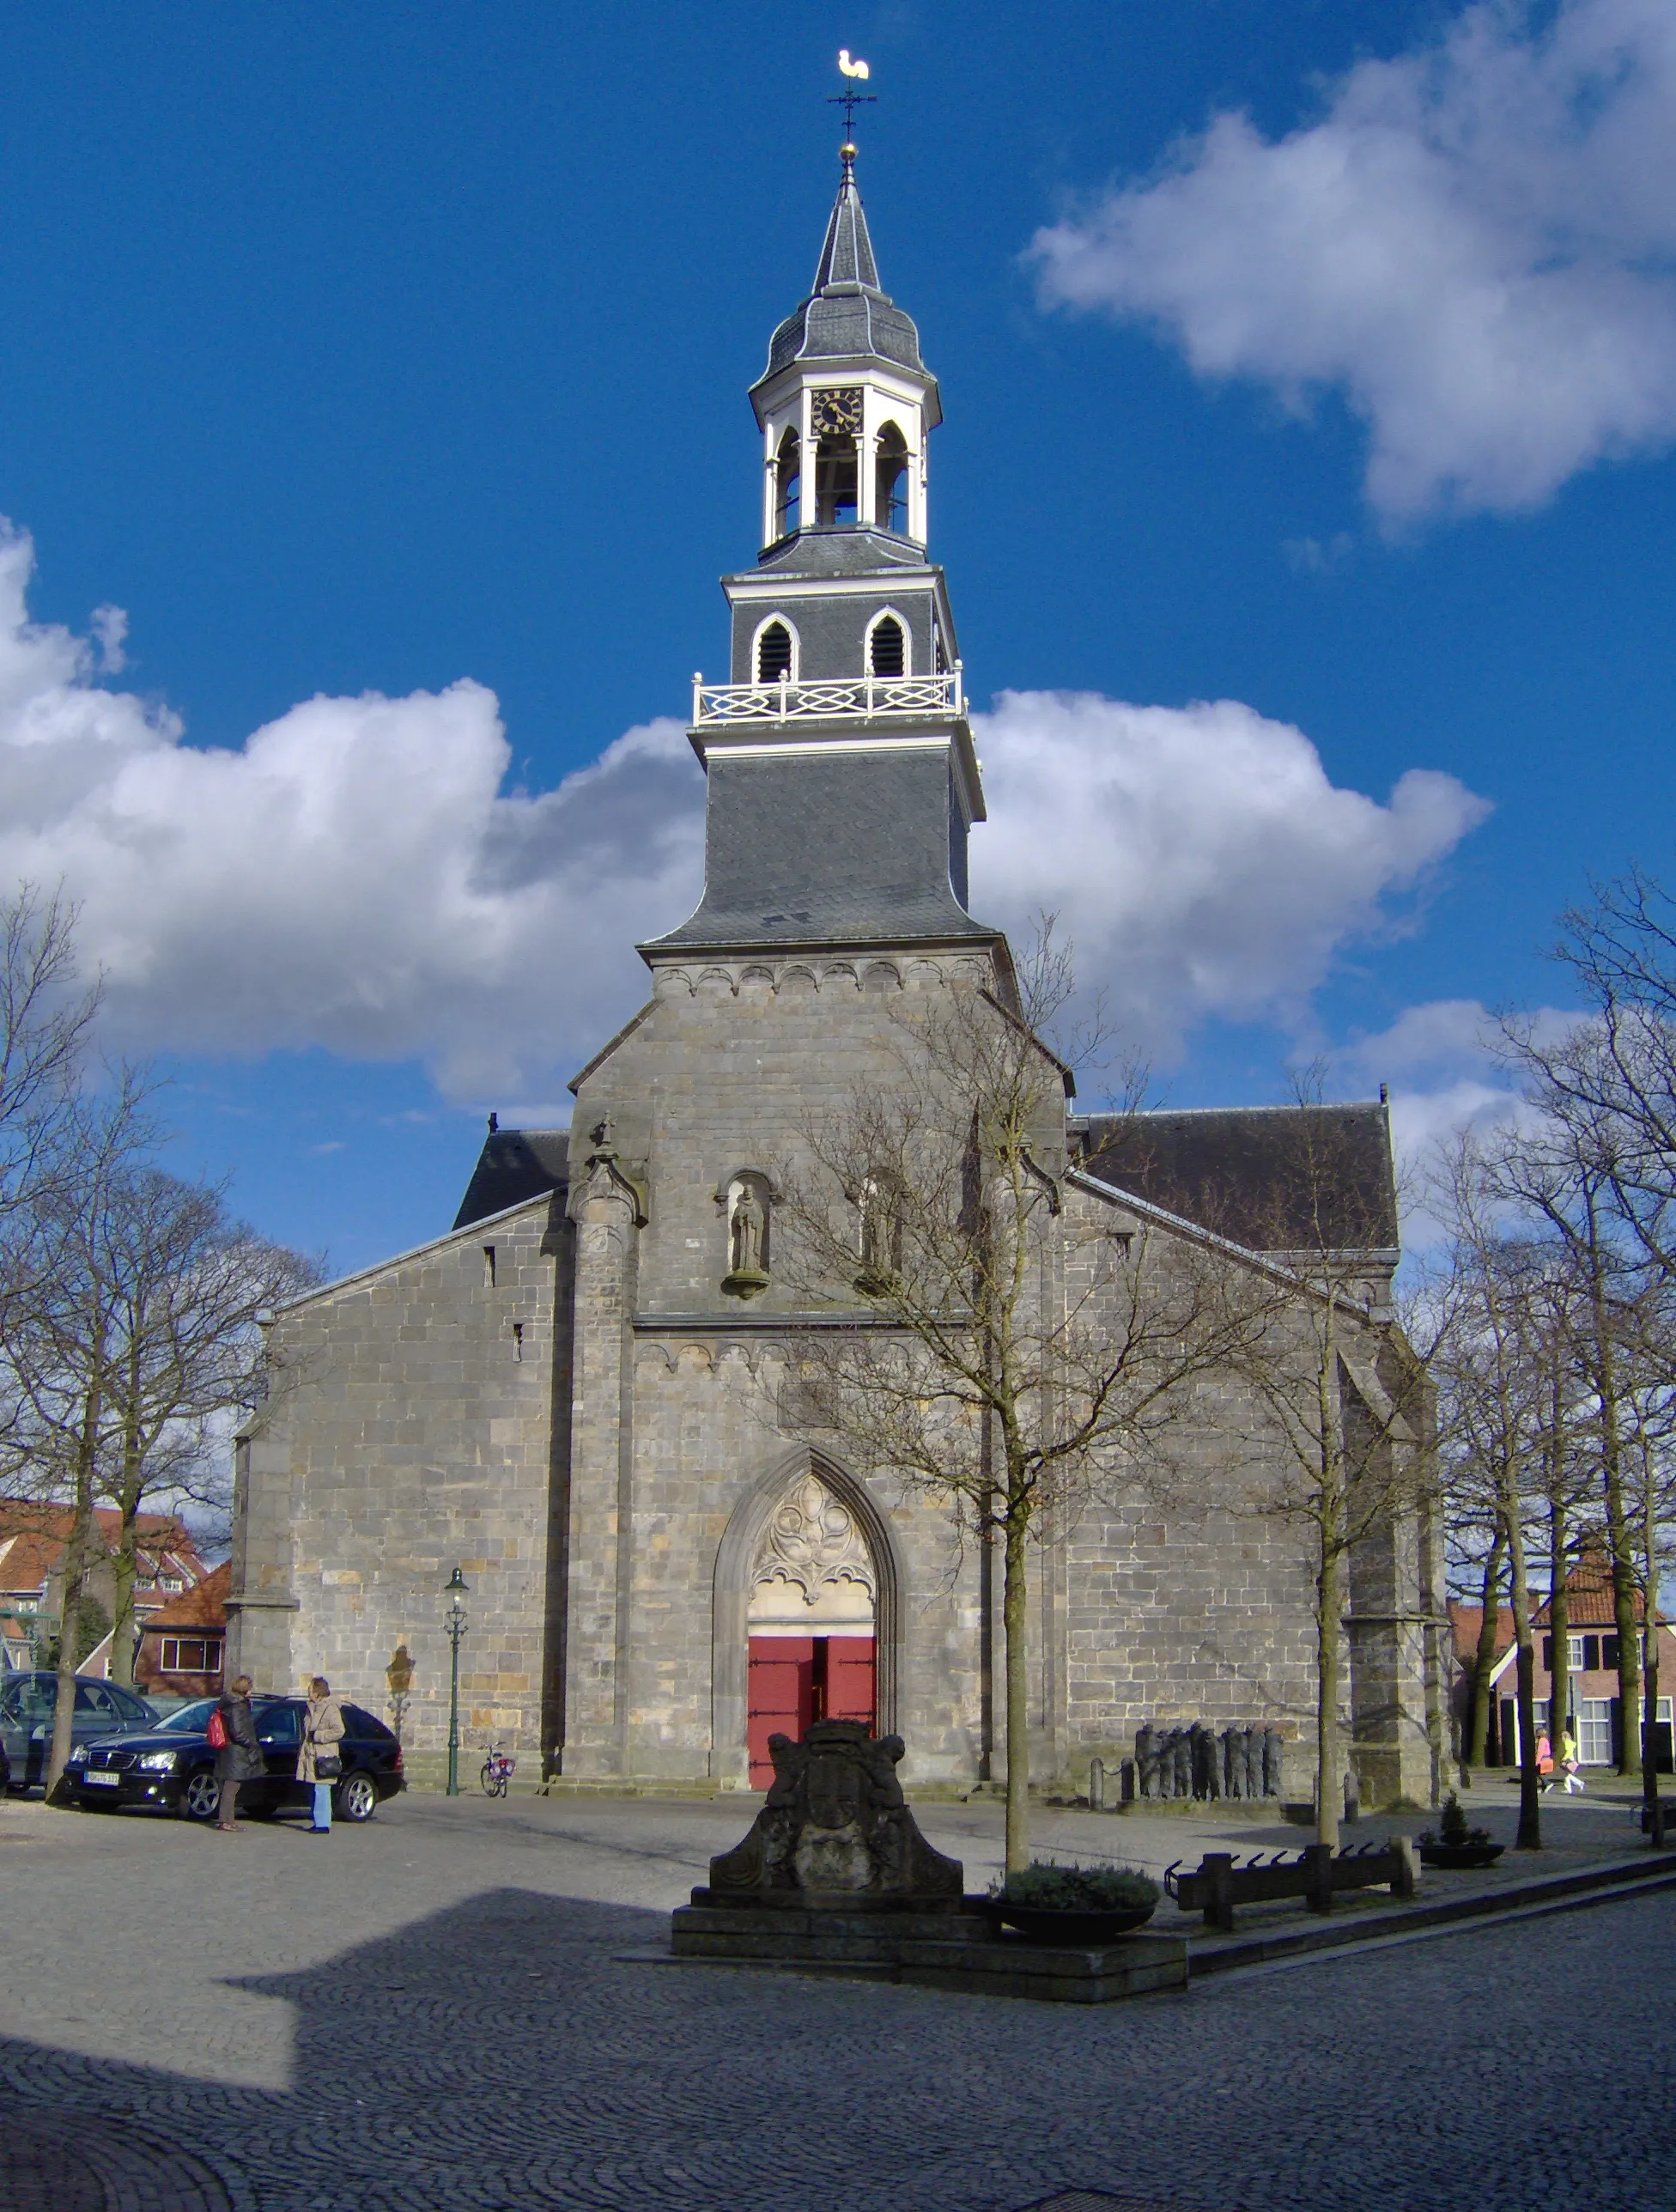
430,2013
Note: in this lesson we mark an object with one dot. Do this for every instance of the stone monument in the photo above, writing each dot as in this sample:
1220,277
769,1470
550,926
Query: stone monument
835,1821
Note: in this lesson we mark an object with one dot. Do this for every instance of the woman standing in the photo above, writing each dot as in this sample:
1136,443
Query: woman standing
238,1755
317,1762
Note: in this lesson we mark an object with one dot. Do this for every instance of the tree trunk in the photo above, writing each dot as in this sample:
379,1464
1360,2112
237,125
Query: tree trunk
1649,1738
1617,1527
1559,1625
1014,1611
76,1552
128,1504
1529,1837
1484,1659
1329,1612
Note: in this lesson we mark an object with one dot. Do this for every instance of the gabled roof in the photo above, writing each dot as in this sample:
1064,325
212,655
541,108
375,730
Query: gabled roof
1255,1173
33,1535
513,1165
204,1605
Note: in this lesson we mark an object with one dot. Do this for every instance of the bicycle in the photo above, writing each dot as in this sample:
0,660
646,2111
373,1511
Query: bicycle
497,1773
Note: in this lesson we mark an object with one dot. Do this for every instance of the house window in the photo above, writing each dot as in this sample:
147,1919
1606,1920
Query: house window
887,647
1595,1731
173,1585
891,482
788,484
191,1655
774,653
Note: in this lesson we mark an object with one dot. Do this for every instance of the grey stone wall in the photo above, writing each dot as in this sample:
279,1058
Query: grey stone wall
409,1427
604,1490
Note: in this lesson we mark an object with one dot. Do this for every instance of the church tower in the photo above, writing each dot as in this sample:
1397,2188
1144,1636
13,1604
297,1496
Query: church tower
841,781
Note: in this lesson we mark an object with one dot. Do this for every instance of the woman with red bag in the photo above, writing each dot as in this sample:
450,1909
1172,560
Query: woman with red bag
238,1754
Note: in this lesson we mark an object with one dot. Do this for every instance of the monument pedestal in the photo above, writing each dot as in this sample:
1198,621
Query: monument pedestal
834,1877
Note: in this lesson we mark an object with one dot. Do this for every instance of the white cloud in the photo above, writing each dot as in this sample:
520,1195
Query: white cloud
1474,245
1199,857
352,877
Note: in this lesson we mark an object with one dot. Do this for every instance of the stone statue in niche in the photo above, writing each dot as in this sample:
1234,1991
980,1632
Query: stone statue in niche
747,1237
750,1220
835,1820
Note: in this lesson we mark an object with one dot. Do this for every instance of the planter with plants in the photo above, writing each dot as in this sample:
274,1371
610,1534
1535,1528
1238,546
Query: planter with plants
1456,1843
1053,1904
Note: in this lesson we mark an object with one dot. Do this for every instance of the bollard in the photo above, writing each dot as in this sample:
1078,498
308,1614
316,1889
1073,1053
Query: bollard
1217,1868
1319,1858
1096,1785
1408,1866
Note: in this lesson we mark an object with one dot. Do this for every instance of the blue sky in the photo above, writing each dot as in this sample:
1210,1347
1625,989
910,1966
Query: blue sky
1321,361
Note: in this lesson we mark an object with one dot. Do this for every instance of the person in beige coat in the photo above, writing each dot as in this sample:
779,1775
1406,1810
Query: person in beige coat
322,1733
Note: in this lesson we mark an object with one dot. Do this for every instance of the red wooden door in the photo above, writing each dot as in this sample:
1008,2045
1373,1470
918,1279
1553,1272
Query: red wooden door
781,1696
850,1691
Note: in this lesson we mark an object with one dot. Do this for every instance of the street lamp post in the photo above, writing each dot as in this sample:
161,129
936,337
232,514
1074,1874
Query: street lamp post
454,1589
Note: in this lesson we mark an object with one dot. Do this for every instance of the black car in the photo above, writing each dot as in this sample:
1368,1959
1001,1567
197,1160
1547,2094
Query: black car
172,1768
26,1705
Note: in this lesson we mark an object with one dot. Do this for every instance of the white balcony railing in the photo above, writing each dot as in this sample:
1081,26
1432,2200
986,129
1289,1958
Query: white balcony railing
843,698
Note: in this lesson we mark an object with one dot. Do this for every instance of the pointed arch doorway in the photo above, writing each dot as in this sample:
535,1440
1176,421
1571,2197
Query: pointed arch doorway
791,1568
811,1622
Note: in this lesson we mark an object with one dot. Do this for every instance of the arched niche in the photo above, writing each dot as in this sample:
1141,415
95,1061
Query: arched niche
736,1565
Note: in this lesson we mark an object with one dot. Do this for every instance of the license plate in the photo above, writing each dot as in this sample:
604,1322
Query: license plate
101,1781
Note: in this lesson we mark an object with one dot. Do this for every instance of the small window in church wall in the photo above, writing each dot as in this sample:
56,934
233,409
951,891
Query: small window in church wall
788,485
489,1267
891,482
774,653
887,647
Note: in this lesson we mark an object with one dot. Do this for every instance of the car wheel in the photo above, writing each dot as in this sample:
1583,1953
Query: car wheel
202,1797
356,1797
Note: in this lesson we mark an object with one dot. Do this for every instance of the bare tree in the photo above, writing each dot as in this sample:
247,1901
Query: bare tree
1018,1340
62,1343
1344,1390
190,1285
138,1328
1500,1367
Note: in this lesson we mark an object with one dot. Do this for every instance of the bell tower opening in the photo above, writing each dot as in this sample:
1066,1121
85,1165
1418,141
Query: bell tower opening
891,482
788,485
811,1620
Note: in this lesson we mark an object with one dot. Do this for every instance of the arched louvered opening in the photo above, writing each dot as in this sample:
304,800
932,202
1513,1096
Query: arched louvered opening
835,478
887,647
788,484
774,652
891,482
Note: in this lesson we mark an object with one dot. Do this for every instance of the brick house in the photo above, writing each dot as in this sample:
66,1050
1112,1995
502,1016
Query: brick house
33,1538
1592,1665
183,1644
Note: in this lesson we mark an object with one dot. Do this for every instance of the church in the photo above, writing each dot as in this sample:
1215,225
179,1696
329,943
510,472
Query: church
575,1396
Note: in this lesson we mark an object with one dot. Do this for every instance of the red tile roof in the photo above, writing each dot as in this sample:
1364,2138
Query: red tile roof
204,1605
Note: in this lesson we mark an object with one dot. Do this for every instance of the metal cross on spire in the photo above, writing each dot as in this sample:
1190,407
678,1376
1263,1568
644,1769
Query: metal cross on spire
849,100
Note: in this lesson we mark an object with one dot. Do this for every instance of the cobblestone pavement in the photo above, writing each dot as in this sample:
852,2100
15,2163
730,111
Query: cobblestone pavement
432,2012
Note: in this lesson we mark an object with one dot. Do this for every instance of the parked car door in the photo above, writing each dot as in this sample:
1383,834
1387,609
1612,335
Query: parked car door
103,1708
279,1732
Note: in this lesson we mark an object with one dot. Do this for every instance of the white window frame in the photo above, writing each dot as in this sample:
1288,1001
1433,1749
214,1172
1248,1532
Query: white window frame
1594,1730
791,629
895,615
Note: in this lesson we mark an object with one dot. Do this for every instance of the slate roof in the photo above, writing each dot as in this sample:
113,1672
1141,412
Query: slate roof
833,848
846,314
513,1165
839,549
1244,1170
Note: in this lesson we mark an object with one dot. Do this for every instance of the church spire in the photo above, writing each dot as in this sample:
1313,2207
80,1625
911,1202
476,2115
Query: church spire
846,256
